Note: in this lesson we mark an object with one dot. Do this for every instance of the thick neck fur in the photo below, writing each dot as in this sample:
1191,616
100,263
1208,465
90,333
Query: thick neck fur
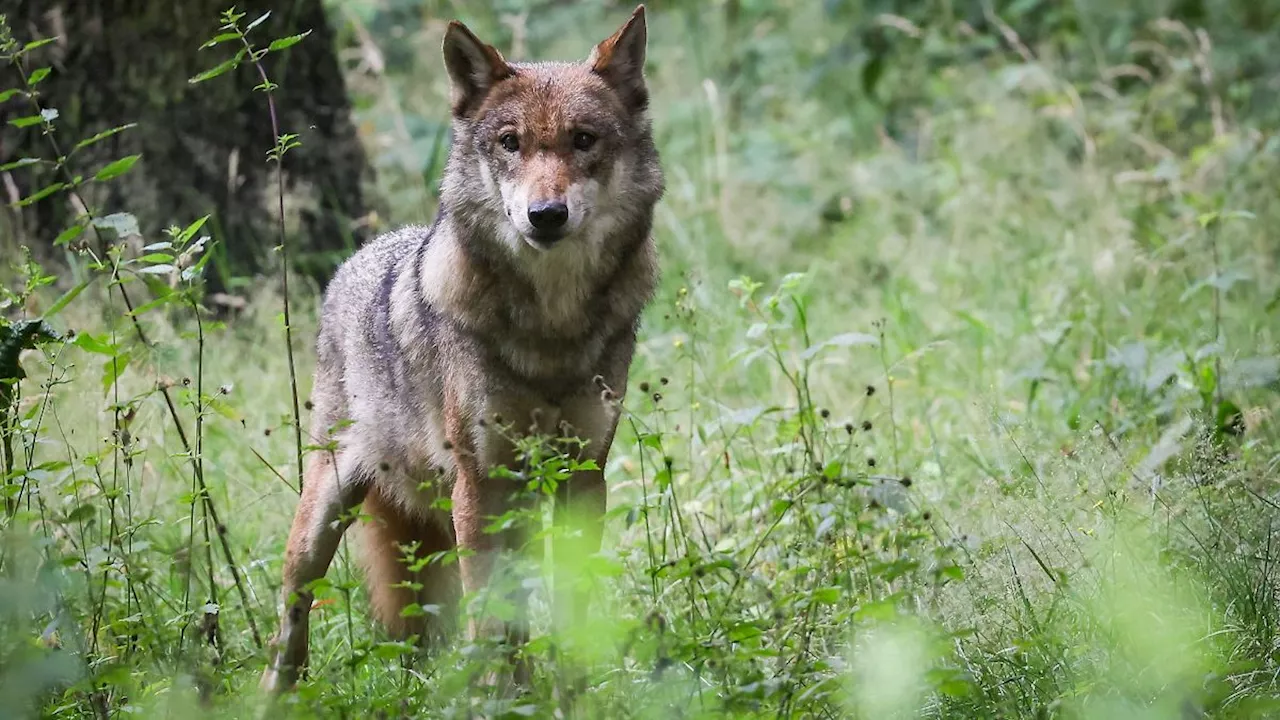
477,272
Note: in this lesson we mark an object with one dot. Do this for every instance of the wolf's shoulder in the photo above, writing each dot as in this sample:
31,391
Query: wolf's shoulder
361,273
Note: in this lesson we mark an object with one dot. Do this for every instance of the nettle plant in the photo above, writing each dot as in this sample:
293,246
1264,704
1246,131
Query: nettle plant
762,539
72,511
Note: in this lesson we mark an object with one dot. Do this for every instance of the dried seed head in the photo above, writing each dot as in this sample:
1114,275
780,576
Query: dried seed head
664,381
448,445
497,419
905,481
267,432
848,428
927,515
871,390
866,426
308,405
871,462
657,397
644,387
384,467
825,413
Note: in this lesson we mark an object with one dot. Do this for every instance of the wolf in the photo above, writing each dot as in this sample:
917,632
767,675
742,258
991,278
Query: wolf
517,308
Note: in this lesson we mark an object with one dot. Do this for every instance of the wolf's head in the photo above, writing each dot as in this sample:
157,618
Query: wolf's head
552,156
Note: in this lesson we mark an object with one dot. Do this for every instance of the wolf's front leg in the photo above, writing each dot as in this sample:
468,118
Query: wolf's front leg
479,443
322,515
581,504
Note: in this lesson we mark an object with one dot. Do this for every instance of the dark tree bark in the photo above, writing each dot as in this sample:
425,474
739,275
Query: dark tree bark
204,147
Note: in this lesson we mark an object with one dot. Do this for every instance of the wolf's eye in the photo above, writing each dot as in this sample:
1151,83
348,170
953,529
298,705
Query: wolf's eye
583,140
509,142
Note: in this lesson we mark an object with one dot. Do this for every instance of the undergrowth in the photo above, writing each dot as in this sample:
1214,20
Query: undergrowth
971,419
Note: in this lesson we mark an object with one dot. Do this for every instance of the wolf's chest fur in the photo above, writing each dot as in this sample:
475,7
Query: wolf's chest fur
417,310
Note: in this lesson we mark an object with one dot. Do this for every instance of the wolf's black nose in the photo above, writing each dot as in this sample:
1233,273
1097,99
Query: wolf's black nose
548,215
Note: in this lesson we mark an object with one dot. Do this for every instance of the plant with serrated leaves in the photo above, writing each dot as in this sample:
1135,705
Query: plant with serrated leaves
231,31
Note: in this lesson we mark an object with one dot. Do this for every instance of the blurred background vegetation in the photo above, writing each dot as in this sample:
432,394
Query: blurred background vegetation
1010,263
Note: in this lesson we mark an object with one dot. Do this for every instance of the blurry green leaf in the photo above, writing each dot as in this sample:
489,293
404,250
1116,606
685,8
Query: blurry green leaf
743,631
826,595
189,231
6,95
102,136
68,235
66,299
36,76
392,650
116,168
220,38
43,193
112,369
218,69
36,44
286,42
26,121
20,163
94,344
261,19
844,340
878,611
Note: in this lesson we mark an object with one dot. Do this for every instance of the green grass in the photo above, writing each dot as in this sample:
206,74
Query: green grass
961,448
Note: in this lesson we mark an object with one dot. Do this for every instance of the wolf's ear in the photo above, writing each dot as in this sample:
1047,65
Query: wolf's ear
473,68
620,61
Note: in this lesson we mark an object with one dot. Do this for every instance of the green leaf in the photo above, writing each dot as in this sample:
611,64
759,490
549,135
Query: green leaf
65,300
41,194
261,19
826,595
218,69
117,168
286,42
5,95
157,257
190,231
224,409
27,121
80,513
36,44
20,162
37,75
68,235
94,344
392,650
220,38
112,369
743,631
102,136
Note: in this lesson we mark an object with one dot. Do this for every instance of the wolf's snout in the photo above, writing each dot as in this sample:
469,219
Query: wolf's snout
548,216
